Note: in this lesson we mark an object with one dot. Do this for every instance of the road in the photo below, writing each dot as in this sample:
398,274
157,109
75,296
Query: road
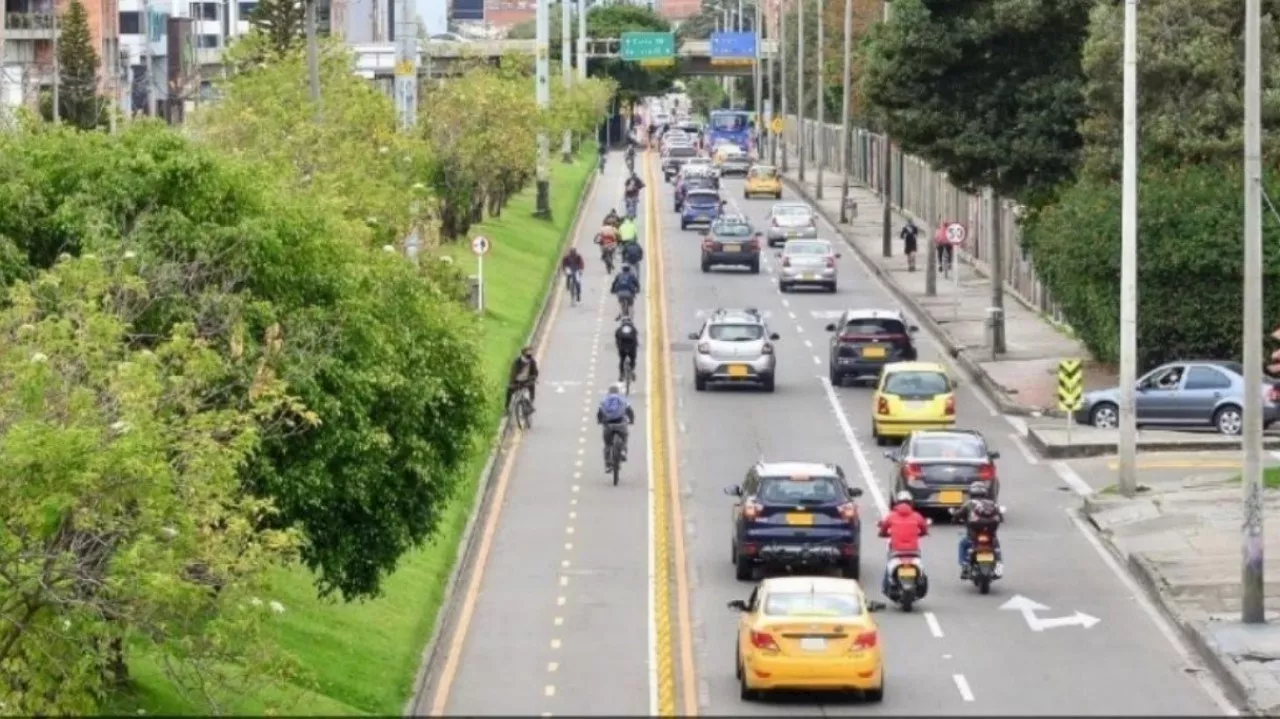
959,653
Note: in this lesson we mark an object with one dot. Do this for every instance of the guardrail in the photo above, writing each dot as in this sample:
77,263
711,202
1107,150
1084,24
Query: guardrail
926,194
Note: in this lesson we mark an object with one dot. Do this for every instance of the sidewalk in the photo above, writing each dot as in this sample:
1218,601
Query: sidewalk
1024,380
1181,541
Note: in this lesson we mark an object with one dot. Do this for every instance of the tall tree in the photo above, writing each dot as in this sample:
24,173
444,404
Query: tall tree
78,101
283,22
989,92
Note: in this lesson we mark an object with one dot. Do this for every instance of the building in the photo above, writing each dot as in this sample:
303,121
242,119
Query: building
27,30
676,10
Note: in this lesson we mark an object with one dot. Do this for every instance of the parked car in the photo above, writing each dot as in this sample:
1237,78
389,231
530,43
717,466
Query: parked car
938,467
734,346
808,262
863,341
1198,393
790,221
796,514
731,241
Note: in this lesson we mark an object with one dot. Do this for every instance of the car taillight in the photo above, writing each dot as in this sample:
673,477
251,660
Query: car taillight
786,261
704,348
764,640
849,511
708,245
831,262
866,640
751,510
1273,394
913,471
951,406
767,349
754,245
882,406
987,472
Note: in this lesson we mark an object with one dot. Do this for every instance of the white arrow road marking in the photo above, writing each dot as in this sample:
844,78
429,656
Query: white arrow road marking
1029,608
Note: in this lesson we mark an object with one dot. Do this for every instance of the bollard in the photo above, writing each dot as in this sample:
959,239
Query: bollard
994,316
473,292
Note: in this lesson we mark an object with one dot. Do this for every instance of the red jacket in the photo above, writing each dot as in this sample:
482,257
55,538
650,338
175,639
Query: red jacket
904,527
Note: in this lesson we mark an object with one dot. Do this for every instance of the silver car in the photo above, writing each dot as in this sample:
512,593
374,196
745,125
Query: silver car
734,162
734,346
1207,393
789,221
808,262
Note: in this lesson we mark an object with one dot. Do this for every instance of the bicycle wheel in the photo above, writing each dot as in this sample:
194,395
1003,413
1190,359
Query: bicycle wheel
526,412
626,374
615,457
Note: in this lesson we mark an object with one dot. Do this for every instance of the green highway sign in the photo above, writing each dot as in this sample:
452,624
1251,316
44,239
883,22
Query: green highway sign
648,45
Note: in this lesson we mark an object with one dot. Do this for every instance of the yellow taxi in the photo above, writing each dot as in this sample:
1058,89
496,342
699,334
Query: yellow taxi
800,633
763,180
912,396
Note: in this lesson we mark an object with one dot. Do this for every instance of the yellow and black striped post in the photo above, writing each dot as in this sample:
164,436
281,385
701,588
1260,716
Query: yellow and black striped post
1070,389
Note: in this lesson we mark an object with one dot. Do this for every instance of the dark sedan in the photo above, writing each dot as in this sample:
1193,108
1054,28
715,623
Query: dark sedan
939,466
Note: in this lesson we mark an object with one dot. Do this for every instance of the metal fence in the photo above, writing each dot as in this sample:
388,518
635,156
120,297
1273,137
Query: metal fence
926,195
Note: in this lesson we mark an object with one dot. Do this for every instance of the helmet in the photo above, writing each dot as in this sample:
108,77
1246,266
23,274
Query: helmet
526,350
615,388
979,490
903,496
626,269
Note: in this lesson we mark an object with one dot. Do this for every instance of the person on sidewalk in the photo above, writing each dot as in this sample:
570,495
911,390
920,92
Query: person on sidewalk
910,245
946,253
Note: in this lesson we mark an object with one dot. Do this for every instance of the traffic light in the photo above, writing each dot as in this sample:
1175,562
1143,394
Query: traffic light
1274,367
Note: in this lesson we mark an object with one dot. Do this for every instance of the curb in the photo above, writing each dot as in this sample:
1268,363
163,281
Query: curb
994,390
481,502
1235,686
1102,449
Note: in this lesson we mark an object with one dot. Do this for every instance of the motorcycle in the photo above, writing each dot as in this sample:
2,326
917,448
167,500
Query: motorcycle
982,562
907,581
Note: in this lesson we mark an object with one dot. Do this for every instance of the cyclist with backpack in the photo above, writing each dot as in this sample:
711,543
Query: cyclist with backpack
627,339
615,414
626,287
633,255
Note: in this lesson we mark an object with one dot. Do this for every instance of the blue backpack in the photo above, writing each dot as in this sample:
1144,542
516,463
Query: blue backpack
614,408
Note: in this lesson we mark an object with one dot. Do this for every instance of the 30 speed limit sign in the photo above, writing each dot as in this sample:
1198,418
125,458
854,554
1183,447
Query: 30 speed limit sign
956,233
480,245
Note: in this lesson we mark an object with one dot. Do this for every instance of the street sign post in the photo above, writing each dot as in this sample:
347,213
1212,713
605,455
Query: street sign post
776,125
480,246
733,48
1070,390
955,234
649,48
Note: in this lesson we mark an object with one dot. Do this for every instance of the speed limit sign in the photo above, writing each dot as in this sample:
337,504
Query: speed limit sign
956,233
480,245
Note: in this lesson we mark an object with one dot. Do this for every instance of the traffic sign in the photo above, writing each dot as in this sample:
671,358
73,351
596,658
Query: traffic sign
956,233
404,68
777,125
648,46
480,245
733,48
1070,385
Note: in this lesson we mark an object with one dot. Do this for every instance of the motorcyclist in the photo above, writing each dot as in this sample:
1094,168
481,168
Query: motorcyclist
627,231
979,514
615,414
633,255
627,339
626,286
524,373
903,527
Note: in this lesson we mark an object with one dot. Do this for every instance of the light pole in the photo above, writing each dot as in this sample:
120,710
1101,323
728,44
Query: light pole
800,85
543,94
1252,609
1129,260
886,217
566,70
313,58
820,97
582,39
844,111
782,76
757,76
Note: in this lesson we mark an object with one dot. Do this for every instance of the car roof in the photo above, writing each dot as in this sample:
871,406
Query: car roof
778,205
703,191
731,220
863,314
809,241
792,469
736,316
950,433
765,167
914,367
816,584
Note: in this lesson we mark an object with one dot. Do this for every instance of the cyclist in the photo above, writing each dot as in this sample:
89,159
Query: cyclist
607,238
524,373
627,230
633,255
573,265
615,414
631,157
612,219
604,151
627,339
626,286
631,192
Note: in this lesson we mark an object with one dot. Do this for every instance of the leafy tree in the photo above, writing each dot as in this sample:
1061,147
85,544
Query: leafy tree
706,94
282,24
988,92
78,101
125,520
1190,82
866,13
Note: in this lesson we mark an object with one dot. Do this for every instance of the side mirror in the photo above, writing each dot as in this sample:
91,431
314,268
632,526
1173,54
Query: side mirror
994,455
733,490
693,336
775,336
1143,387
737,605
874,606
831,327
855,492
928,521
890,455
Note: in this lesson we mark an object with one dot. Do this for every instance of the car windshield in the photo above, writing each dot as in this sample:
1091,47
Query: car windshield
948,447
791,210
703,198
877,326
735,229
794,491
812,604
913,382
807,248
735,333
767,173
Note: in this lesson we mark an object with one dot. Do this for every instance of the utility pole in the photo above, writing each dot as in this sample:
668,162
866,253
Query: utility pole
757,90
582,39
886,218
566,70
406,85
112,48
800,147
820,97
543,94
782,76
148,60
844,112
1129,260
1252,607
771,93
57,71
313,58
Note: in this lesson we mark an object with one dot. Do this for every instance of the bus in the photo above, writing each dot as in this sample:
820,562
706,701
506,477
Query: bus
730,126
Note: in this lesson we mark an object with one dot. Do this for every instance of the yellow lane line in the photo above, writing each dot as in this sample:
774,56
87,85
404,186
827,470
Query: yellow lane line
466,611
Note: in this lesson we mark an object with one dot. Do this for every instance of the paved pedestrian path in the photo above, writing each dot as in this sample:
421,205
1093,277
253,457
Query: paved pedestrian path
1024,379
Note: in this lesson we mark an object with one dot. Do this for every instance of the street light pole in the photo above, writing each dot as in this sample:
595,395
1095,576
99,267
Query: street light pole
820,97
844,111
757,76
886,155
313,58
1252,609
782,76
800,85
582,39
1129,260
566,70
542,93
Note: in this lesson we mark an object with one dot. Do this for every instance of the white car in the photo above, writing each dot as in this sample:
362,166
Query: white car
700,164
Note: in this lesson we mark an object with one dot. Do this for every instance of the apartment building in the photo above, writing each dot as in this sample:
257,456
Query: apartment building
27,31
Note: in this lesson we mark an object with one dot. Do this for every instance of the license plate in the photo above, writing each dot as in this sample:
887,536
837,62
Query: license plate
732,248
951,497
737,370
877,352
986,557
915,405
809,276
907,572
813,644
800,520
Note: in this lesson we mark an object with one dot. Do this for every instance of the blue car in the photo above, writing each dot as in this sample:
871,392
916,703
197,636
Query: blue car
701,207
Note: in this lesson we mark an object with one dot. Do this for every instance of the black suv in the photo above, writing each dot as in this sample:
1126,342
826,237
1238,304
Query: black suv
864,341
795,515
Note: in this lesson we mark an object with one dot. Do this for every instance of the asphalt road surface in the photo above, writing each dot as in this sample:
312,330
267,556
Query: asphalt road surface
560,621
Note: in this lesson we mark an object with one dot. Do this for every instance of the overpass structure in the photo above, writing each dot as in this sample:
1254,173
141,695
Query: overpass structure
377,60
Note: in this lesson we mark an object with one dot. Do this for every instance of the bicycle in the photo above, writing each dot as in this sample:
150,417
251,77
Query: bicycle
574,285
615,460
632,205
631,163
625,304
520,410
606,256
602,159
628,373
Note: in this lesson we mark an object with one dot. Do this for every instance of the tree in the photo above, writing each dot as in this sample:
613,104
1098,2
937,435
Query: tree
78,101
125,522
866,13
1190,82
282,23
989,92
